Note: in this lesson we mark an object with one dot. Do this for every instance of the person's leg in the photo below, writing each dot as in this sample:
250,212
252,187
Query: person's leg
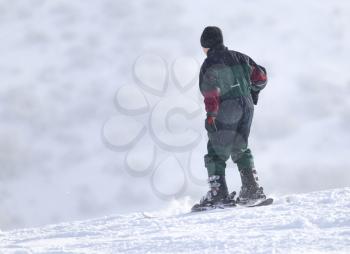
215,162
243,157
240,153
221,141
215,159
219,151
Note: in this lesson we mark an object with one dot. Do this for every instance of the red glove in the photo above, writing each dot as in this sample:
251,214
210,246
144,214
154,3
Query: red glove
210,124
211,119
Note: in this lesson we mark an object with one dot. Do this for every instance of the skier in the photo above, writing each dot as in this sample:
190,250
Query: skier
230,83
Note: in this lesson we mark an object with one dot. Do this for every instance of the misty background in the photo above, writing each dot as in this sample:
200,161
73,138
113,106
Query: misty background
63,64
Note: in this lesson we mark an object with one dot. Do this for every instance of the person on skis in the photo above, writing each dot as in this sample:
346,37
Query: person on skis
230,83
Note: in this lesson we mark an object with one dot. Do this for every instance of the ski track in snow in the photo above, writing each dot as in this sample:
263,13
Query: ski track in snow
317,222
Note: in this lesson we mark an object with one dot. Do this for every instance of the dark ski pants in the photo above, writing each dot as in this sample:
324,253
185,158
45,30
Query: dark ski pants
230,137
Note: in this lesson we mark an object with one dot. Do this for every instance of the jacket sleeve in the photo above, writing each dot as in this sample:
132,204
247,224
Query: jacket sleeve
258,76
208,85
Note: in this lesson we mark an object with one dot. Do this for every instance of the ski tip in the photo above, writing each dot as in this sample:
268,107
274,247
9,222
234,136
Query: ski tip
197,208
268,201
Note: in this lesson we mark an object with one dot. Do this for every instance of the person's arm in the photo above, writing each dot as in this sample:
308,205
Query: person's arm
208,84
258,79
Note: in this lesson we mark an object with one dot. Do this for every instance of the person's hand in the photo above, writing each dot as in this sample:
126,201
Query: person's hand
210,124
255,96
211,119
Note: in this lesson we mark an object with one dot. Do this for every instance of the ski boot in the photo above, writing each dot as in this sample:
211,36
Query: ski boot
251,192
217,196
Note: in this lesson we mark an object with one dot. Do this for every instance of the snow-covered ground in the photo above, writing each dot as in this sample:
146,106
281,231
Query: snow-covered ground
62,62
317,222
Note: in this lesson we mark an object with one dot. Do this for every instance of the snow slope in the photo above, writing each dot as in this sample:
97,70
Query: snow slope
317,222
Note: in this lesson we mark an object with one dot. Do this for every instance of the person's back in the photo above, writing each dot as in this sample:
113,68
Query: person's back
230,83
235,74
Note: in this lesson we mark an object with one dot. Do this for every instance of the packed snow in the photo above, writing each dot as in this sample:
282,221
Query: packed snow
317,222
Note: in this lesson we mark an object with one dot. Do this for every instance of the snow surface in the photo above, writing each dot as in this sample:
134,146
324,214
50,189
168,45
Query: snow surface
317,222
62,62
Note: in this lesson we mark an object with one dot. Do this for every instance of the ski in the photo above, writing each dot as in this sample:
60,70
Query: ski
198,208
255,203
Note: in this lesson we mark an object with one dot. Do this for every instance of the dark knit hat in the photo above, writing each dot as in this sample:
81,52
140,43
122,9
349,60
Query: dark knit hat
211,37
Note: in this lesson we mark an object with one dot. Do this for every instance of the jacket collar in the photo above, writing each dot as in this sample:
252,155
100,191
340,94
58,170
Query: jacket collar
217,48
